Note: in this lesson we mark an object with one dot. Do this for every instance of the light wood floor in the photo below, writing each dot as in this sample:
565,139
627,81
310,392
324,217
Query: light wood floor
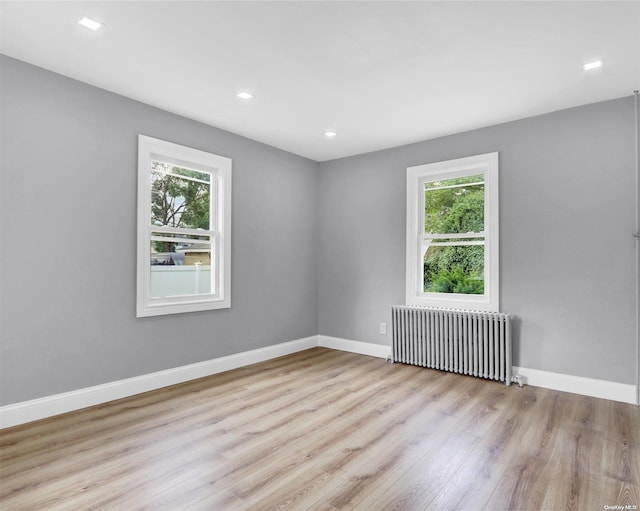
328,430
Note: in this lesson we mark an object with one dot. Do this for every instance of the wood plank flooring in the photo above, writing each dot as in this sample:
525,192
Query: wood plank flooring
329,431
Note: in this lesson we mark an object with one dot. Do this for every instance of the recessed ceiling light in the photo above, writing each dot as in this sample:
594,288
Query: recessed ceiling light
330,134
592,65
244,95
90,24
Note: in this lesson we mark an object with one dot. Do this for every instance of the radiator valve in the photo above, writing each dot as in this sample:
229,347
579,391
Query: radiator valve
517,379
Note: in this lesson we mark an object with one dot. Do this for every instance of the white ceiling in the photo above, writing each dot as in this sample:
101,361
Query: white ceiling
380,74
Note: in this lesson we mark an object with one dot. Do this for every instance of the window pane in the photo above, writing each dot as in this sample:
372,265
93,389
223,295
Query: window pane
453,269
454,205
179,269
179,201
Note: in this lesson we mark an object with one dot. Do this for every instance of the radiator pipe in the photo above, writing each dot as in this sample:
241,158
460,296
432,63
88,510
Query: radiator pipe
637,236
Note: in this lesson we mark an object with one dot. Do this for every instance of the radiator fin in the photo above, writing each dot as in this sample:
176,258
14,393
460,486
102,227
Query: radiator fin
465,342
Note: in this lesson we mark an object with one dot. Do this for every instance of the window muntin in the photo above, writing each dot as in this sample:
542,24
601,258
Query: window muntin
452,234
184,229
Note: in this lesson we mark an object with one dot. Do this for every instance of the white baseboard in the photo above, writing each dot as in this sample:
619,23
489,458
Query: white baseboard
604,389
363,348
27,411
556,381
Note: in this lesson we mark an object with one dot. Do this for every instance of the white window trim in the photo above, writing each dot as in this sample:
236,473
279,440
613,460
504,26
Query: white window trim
220,168
486,164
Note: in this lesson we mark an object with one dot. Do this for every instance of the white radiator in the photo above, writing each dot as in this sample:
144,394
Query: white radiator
465,342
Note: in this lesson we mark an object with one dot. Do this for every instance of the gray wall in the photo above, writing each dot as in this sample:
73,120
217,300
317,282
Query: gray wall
67,244
566,247
68,209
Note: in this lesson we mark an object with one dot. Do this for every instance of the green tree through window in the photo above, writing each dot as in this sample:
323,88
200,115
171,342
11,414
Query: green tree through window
179,198
454,207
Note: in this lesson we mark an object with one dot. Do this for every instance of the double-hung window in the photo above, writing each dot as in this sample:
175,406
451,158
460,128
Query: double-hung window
184,229
452,234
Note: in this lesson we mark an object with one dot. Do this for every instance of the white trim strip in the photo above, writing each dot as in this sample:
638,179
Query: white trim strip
181,230
27,411
186,178
362,348
463,235
436,243
603,389
427,189
555,381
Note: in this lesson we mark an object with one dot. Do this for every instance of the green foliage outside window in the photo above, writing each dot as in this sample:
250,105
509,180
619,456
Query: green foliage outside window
451,209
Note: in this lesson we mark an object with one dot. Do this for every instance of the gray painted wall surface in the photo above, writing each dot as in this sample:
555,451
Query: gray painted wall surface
566,247
68,209
67,244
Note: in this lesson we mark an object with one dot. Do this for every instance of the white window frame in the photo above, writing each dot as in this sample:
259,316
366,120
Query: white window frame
219,167
487,165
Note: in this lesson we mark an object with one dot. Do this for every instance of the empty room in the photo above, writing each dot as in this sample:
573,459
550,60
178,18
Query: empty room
310,255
